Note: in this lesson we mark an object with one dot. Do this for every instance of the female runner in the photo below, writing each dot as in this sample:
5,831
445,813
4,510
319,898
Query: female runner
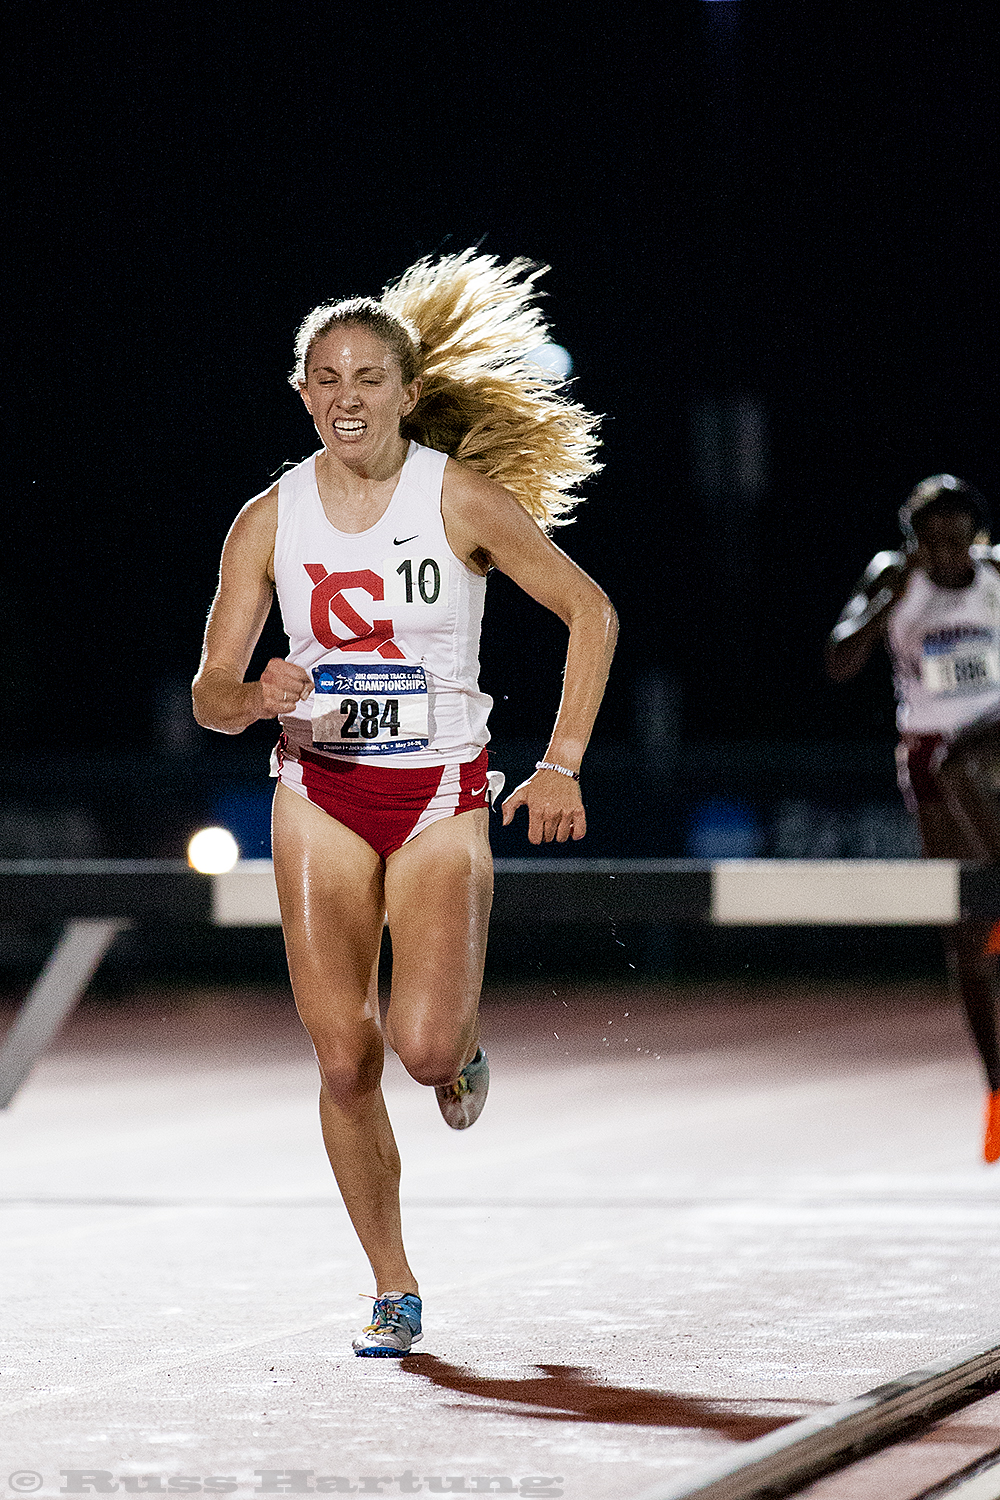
445,452
937,605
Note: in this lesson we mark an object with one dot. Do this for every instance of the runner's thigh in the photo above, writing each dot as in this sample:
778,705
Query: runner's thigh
438,892
330,889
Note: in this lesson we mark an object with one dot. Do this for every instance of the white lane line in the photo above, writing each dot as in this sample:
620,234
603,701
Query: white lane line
686,1214
813,1196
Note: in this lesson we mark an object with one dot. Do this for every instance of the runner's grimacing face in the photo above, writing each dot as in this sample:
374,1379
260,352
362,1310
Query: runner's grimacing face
943,543
354,392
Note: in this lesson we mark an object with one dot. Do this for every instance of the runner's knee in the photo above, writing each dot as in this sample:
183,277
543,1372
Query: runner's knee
350,1074
429,1059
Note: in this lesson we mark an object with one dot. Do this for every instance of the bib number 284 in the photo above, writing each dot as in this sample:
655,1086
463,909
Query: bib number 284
364,719
370,710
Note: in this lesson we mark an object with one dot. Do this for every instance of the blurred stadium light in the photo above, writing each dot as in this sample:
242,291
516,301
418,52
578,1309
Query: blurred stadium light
213,851
553,359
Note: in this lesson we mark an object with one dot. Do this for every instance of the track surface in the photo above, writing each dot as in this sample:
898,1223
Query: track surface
685,1217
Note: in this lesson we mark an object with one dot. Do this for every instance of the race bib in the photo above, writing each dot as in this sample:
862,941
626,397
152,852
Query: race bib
968,669
377,709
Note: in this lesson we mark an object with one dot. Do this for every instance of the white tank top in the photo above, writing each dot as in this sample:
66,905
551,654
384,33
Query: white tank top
387,623
945,648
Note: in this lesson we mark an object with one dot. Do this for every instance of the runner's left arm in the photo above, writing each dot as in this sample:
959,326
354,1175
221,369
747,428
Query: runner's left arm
486,526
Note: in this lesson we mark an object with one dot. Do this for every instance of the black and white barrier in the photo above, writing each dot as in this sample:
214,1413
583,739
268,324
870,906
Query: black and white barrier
93,900
748,893
541,891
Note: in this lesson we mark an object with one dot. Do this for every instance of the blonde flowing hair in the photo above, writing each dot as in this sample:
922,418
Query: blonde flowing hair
465,324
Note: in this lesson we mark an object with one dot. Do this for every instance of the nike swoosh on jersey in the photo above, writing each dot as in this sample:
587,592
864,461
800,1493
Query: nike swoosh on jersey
398,541
480,790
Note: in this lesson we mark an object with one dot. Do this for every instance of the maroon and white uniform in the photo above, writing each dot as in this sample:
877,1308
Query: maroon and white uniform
945,649
387,623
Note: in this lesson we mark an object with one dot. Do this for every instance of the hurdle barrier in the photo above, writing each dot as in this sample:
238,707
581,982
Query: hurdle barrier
95,900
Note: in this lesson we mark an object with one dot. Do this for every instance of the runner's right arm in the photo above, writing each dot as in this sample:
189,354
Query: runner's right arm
222,700
862,620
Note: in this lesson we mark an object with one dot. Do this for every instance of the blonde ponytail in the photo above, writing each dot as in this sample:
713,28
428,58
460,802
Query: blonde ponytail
483,401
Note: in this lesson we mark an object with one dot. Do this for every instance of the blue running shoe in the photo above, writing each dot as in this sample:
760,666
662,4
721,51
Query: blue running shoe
395,1325
462,1102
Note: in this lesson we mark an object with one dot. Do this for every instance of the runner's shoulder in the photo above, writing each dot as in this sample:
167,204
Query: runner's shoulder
258,519
249,548
886,570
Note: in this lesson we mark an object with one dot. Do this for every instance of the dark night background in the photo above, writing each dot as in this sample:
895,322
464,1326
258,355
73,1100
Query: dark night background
754,213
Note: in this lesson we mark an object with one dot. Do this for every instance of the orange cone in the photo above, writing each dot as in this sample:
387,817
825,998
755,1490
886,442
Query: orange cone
991,1142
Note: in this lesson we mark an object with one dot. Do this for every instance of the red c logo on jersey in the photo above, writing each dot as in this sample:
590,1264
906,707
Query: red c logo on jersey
328,599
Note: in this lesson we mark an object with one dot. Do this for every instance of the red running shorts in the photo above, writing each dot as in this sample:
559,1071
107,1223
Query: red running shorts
385,805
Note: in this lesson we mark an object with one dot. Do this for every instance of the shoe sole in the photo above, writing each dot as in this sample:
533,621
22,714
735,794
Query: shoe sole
377,1353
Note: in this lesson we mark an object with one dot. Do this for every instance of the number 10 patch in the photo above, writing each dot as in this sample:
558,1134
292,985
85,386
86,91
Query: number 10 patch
369,710
415,579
